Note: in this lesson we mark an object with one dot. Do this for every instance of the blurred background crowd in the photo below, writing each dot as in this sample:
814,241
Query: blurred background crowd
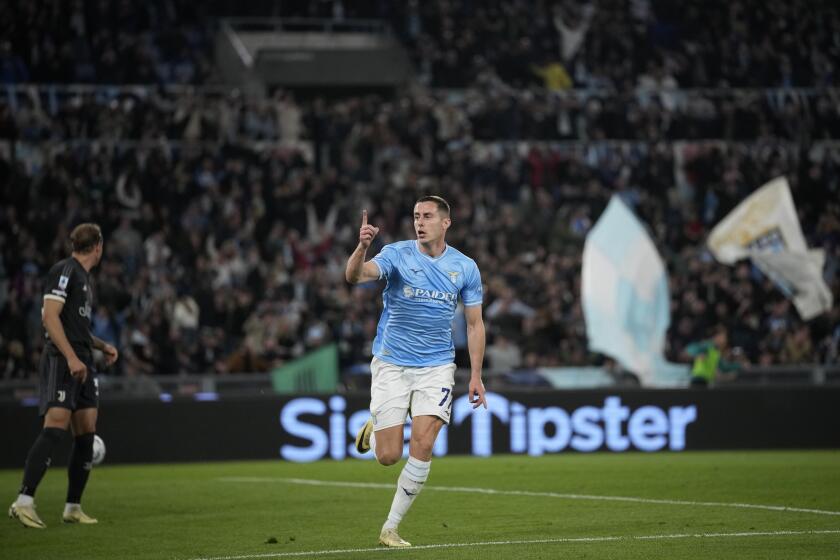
228,218
618,44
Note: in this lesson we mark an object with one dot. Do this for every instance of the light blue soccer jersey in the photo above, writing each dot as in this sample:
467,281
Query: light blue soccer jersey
419,302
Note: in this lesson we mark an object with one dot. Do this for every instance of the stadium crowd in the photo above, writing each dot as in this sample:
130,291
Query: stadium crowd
228,219
620,44
154,41
226,254
614,44
493,112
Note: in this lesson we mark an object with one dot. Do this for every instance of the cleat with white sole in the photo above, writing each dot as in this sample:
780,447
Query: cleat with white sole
390,538
27,516
363,437
78,516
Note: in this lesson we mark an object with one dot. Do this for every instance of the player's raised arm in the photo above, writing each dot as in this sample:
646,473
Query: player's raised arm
358,270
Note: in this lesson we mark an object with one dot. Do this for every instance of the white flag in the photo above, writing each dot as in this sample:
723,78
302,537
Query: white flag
765,228
799,276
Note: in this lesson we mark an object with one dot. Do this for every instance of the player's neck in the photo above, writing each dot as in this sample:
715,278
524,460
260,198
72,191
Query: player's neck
87,260
433,249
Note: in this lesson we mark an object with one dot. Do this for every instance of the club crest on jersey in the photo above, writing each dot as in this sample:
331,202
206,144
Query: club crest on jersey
62,282
453,275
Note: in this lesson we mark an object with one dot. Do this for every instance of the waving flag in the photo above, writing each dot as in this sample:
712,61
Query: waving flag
624,288
764,228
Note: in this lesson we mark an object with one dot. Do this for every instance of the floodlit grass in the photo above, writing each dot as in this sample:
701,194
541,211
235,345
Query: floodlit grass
213,510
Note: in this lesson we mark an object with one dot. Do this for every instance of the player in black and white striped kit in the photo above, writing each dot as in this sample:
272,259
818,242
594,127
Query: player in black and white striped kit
68,387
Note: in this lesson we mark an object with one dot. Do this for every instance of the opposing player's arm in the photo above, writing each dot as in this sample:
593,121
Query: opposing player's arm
110,352
357,270
52,323
475,343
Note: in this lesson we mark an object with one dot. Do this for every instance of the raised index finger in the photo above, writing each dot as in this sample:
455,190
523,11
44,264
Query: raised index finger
364,217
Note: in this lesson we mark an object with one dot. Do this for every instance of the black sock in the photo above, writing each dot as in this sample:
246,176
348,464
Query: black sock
39,459
79,469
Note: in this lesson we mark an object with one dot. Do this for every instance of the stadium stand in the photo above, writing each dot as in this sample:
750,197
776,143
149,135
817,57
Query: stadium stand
614,44
228,217
159,41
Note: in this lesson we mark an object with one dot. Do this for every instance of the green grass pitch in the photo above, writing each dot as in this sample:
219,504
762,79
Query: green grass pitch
217,510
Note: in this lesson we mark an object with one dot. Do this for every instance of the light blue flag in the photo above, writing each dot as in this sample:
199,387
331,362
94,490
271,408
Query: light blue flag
624,287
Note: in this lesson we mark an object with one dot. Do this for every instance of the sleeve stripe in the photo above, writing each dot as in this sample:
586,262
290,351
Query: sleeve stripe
379,268
54,298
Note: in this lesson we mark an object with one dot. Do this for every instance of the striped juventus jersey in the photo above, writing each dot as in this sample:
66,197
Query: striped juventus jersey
69,282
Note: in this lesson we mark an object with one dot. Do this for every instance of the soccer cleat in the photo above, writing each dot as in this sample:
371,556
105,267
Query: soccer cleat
78,516
363,437
26,515
389,537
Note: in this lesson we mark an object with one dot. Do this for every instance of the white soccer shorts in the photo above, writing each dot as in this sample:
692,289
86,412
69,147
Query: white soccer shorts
396,389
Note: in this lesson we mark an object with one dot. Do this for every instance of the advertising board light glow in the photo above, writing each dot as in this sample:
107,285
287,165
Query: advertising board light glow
534,430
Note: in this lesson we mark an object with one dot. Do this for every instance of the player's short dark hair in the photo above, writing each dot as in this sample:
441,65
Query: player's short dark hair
85,238
443,206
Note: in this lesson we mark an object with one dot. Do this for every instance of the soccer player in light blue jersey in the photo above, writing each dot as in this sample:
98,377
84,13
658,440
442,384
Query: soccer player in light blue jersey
413,365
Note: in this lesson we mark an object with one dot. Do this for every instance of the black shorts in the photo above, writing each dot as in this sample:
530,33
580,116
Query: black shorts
60,389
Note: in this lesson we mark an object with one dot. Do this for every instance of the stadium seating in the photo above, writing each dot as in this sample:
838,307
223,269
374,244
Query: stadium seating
228,218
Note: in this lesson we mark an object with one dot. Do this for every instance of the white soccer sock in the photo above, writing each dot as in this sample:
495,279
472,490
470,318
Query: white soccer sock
24,500
68,507
411,480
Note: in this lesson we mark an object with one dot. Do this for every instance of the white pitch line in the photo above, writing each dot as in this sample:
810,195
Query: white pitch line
534,541
467,489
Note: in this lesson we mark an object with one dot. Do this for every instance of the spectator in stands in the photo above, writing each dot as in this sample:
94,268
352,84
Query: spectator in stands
12,68
503,355
554,76
507,308
710,365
